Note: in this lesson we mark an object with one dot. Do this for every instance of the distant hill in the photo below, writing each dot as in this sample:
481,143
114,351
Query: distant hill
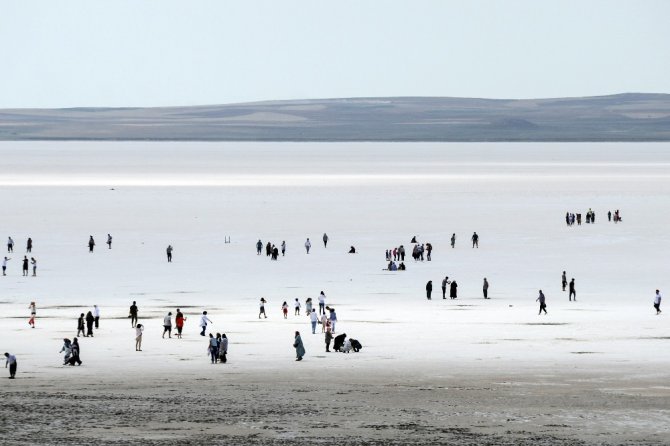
623,117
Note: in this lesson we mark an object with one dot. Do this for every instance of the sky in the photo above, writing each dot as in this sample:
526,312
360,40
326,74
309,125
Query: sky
102,53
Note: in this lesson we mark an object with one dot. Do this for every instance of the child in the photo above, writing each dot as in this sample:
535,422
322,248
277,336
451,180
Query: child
284,309
297,306
33,313
138,337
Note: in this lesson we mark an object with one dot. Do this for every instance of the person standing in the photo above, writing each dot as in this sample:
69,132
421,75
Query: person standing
29,245
259,247
609,215
322,303
168,250
657,302
76,351
89,324
329,335
573,293
308,306
33,314
213,348
4,265
203,322
296,307
25,266
262,308
543,303
284,309
299,348
325,240
223,349
11,362
34,263
445,282
453,240
475,240
10,245
138,337
564,280
485,288
91,244
133,314
308,245
324,320
429,250
333,319
453,290
109,241
167,325
179,322
283,248
314,319
96,316
429,289
80,325
67,349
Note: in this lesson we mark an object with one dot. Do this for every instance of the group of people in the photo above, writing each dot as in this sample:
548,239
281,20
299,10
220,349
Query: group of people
26,263
87,321
218,348
571,218
572,291
270,249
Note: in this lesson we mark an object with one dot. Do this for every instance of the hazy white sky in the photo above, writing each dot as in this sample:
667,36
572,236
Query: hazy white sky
166,52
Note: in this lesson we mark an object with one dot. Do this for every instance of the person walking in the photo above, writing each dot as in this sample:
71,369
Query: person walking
4,265
453,290
76,352
657,302
299,348
89,324
262,308
564,280
213,348
34,263
223,348
179,322
308,245
133,314
485,288
109,241
322,303
475,240
314,319
429,289
67,349
91,244
324,320
203,322
445,282
573,293
81,325
29,245
325,240
10,245
11,362
168,251
167,325
308,306
138,337
33,314
329,335
96,316
453,240
25,266
283,248
259,247
543,303
296,307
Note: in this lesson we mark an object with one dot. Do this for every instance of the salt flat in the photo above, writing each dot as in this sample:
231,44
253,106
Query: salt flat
592,371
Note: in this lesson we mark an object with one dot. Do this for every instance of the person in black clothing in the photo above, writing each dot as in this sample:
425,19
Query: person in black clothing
338,342
25,265
29,245
609,215
573,293
133,314
429,289
475,240
75,352
445,282
429,250
80,325
91,243
564,280
89,324
168,251
543,303
452,290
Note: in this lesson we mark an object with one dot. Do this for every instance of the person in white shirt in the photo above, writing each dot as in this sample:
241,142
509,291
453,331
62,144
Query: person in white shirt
308,245
203,322
138,337
4,265
657,302
96,316
11,362
314,318
322,303
167,325
297,306
324,321
34,263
